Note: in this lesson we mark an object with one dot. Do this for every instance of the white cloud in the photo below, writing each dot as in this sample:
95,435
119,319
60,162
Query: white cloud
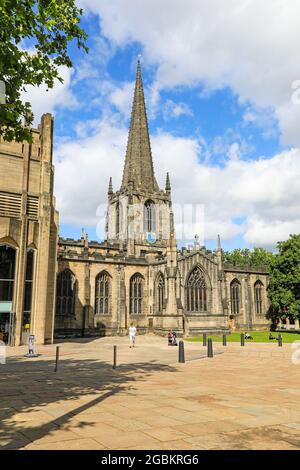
265,192
270,232
48,101
175,110
263,119
121,98
83,168
251,46
100,54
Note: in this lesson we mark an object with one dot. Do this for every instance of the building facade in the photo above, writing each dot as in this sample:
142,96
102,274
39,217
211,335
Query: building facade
28,237
138,275
66,287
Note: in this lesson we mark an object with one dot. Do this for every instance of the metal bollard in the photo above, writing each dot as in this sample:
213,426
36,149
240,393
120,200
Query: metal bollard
280,340
242,339
181,357
56,359
115,358
204,339
210,352
224,340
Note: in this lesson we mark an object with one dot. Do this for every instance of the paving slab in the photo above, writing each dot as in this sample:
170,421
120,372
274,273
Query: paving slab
243,398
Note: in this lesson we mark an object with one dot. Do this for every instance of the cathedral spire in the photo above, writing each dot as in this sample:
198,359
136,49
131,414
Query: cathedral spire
138,169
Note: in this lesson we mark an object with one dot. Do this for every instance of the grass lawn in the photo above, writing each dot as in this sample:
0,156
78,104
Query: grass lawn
258,337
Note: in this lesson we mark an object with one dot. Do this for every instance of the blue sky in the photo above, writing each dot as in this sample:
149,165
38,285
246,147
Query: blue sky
219,108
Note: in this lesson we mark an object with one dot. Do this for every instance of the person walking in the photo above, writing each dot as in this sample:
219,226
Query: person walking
132,335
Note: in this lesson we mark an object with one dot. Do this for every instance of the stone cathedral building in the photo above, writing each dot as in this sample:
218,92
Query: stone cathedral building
55,286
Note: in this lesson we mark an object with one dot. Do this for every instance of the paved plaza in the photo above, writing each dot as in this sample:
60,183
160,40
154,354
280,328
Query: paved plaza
243,398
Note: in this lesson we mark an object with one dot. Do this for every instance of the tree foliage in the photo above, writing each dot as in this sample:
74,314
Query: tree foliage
284,281
248,258
49,26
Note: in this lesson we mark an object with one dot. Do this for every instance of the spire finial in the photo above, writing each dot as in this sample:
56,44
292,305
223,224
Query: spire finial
172,229
219,246
110,187
168,184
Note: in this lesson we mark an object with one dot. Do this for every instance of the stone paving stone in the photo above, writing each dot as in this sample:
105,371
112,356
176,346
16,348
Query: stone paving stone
118,440
75,444
216,441
182,404
40,436
91,430
180,415
159,421
11,442
293,425
124,424
132,413
237,401
211,427
91,416
270,445
180,445
34,415
268,433
166,434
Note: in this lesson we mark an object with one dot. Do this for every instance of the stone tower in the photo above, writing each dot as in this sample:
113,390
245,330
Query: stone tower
28,236
139,213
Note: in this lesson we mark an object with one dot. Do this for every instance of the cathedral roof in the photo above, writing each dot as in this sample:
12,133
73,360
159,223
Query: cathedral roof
138,169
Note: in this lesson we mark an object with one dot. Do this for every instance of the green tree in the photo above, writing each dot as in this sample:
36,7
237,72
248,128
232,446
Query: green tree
284,281
49,26
261,257
245,257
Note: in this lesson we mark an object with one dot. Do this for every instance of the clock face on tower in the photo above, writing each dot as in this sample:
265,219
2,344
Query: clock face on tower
151,237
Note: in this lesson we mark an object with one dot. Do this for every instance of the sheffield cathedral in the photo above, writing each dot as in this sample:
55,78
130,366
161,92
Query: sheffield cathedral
56,287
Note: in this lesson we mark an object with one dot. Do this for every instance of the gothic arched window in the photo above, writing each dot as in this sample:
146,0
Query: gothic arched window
117,219
196,291
28,287
149,217
258,287
65,293
136,294
7,273
102,293
235,288
160,292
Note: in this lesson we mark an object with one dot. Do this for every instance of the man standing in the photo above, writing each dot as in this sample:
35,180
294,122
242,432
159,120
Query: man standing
132,335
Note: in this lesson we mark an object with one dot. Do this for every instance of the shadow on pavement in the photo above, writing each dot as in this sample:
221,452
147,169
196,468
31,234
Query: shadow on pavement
29,386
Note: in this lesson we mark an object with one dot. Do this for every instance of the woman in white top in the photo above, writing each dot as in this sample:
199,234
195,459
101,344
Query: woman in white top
132,335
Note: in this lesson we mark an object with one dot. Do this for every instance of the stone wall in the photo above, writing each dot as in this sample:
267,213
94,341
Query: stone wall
29,221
